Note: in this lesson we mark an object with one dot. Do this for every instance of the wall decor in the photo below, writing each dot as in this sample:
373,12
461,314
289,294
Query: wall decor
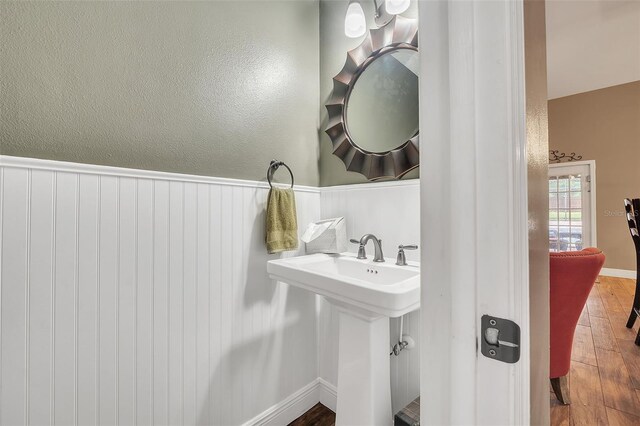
556,156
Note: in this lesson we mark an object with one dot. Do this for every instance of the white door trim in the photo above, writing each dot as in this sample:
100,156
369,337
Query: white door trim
593,228
474,224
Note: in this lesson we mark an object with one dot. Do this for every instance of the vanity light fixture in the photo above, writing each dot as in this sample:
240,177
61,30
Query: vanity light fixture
355,24
395,7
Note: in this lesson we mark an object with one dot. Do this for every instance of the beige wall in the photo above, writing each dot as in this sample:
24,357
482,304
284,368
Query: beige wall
212,88
334,46
604,125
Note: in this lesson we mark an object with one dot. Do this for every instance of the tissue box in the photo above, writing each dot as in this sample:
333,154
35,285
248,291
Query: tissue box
326,236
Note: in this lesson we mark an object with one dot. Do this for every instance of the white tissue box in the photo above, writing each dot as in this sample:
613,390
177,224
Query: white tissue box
326,236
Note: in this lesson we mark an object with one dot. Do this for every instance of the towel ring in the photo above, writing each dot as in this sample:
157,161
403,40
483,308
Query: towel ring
273,166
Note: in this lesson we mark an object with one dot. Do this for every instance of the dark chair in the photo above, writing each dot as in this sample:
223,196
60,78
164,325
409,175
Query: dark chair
632,208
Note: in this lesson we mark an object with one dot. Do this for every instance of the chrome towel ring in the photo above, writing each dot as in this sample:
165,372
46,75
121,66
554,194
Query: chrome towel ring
273,166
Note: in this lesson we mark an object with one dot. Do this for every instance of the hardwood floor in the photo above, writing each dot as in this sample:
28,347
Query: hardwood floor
318,415
604,382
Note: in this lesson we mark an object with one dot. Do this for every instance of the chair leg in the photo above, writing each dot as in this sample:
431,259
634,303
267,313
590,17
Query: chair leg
632,318
638,338
635,309
560,387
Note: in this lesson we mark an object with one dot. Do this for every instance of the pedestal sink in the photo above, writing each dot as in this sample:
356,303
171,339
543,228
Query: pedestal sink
366,294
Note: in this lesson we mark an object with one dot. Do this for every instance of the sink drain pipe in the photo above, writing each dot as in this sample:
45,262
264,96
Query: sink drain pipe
403,341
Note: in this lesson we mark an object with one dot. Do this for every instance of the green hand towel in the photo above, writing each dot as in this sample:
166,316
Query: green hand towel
282,222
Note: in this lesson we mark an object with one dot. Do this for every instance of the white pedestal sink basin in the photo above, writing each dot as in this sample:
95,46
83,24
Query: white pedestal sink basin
366,293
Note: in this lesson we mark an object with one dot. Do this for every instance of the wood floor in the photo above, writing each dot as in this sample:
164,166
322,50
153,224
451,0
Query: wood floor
318,415
604,382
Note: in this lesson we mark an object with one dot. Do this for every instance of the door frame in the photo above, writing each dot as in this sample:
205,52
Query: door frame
593,223
475,116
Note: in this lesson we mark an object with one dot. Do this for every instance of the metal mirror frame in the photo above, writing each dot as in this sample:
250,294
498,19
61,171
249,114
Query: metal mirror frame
399,33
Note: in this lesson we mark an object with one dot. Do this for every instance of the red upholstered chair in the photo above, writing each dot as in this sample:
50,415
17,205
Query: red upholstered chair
572,276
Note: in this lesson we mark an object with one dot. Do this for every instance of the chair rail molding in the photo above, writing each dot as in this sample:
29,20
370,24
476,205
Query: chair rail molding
122,172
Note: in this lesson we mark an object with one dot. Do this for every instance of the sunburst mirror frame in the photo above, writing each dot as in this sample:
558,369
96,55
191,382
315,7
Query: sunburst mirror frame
399,33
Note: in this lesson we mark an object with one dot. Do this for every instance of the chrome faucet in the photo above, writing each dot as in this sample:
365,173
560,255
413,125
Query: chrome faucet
377,245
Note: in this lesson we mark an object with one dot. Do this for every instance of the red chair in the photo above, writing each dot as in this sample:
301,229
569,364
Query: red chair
572,276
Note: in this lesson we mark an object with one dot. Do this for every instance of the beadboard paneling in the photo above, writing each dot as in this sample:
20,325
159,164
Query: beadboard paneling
391,211
142,298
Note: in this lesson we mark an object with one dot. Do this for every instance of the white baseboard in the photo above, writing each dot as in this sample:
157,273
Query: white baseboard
328,394
297,404
618,273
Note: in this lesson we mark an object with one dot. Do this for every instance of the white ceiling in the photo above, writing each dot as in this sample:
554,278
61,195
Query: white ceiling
591,44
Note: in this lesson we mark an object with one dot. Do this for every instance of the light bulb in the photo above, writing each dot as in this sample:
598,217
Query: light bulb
355,23
394,7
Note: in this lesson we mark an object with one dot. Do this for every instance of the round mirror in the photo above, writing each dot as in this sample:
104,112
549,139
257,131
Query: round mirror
373,108
382,107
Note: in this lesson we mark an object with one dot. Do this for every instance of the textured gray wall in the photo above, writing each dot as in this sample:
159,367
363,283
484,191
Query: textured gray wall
211,88
333,52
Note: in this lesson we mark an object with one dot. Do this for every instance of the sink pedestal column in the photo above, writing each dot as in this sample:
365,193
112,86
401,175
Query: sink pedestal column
364,372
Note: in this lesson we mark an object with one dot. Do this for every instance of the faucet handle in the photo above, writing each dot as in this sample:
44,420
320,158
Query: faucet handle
410,247
401,260
361,253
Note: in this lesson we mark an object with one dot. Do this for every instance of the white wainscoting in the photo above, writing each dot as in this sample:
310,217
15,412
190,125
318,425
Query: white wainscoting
138,297
134,297
391,211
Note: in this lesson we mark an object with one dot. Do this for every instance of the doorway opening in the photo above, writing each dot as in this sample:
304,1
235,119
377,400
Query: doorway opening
572,219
